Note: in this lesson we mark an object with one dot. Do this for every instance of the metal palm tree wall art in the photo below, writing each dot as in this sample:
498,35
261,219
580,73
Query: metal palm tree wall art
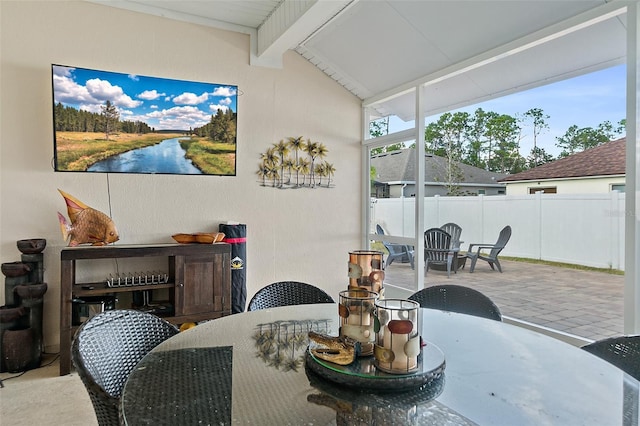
295,163
282,344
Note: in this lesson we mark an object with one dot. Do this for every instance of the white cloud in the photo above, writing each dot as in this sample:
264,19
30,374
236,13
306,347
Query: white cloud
182,117
188,98
224,91
68,91
133,77
215,108
150,95
153,106
103,90
225,101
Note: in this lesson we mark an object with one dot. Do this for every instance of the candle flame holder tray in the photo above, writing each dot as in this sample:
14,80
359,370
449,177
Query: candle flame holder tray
362,373
132,279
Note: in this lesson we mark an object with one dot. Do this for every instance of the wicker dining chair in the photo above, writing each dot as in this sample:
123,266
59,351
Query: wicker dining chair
105,350
621,351
285,293
457,298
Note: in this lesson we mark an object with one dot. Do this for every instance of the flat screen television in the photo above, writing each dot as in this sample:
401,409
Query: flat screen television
126,123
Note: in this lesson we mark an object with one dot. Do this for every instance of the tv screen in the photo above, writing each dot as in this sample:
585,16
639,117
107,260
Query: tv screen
127,123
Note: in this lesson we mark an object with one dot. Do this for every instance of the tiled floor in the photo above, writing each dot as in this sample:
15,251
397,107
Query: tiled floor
587,304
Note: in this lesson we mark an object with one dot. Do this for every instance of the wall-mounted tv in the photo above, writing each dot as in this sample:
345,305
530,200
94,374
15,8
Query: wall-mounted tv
127,123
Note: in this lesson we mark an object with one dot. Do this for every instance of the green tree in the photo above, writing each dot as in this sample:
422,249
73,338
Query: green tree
446,138
539,123
110,116
579,139
502,132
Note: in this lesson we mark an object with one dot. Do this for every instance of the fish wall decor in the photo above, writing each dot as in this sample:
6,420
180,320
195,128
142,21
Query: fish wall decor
87,225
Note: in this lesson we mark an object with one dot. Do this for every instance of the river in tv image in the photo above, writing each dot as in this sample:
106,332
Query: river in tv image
164,157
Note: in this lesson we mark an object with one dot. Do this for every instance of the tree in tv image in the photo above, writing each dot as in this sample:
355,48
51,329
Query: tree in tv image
125,123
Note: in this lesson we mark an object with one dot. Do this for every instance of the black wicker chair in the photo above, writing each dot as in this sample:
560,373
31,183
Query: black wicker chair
285,293
621,351
456,298
105,350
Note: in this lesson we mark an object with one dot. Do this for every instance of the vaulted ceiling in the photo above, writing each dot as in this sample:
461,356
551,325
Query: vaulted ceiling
464,52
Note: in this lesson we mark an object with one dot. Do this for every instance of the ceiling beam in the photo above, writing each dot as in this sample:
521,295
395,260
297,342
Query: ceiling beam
290,24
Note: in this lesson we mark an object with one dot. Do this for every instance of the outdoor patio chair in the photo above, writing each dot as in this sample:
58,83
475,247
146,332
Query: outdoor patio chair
105,350
286,293
495,249
457,298
621,351
400,252
437,249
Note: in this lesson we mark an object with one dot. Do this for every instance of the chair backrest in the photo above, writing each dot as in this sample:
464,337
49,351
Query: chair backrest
437,244
285,293
455,231
621,351
503,239
456,298
105,350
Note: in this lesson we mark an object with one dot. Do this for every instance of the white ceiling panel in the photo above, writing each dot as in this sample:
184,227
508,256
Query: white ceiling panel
377,47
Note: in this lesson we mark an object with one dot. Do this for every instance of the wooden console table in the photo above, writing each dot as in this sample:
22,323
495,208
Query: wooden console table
199,283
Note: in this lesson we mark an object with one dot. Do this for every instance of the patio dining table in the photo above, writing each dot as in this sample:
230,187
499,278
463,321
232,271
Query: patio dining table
249,368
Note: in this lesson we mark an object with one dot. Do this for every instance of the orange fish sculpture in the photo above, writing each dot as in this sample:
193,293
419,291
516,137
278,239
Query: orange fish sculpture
87,225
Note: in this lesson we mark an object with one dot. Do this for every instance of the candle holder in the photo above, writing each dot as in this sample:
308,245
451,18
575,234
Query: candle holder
365,270
356,309
397,339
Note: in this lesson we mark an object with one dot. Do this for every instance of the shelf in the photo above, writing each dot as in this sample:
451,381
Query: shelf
100,288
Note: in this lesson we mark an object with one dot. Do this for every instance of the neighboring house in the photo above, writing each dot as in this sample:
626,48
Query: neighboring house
395,176
593,171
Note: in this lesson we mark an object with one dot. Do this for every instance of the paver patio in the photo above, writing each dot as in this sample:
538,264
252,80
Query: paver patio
587,304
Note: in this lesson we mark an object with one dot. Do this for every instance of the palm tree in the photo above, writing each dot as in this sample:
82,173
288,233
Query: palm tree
282,148
288,164
303,167
298,145
270,161
330,171
263,172
320,171
312,150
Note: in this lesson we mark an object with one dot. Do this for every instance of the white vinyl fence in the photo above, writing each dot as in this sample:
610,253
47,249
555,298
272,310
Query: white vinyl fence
583,229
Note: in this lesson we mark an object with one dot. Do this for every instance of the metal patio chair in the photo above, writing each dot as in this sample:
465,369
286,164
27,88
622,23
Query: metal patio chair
105,350
456,298
285,293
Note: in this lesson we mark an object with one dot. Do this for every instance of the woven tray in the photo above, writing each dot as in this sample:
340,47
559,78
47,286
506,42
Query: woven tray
363,374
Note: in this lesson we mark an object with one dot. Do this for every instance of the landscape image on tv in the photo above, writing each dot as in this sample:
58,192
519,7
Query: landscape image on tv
126,123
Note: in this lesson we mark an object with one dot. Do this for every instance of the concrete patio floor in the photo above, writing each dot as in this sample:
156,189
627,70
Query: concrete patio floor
586,304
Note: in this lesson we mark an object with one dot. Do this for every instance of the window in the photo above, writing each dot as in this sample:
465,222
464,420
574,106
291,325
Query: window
544,190
618,187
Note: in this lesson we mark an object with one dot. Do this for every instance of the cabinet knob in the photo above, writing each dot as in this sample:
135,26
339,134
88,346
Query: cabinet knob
180,284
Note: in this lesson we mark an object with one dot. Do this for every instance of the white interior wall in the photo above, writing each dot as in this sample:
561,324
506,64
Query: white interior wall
300,234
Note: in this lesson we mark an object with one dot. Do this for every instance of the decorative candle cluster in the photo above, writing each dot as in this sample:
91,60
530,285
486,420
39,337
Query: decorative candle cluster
397,339
365,270
356,310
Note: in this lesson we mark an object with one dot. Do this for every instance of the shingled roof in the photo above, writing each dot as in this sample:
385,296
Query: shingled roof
399,166
603,160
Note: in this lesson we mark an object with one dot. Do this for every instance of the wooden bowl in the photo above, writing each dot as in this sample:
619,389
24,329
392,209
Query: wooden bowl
205,237
184,238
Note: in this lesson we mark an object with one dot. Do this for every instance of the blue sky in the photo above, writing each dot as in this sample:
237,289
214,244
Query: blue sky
161,103
585,101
